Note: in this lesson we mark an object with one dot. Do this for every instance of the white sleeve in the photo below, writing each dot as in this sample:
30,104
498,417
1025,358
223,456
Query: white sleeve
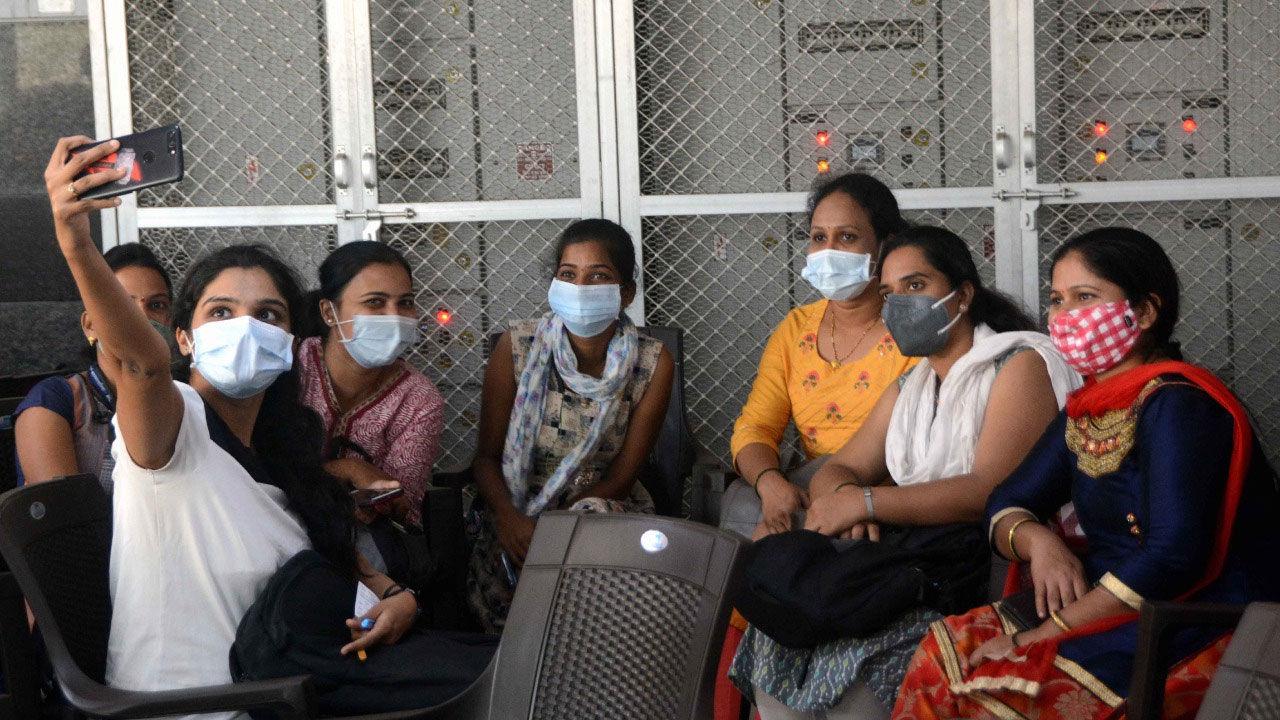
193,437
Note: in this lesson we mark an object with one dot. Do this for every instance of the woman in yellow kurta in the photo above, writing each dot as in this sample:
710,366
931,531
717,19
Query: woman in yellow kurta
827,362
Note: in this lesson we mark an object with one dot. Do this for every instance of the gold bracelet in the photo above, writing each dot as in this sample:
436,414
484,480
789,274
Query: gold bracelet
1013,551
1057,620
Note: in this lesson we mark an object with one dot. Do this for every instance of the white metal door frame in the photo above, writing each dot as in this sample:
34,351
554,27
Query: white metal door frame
590,131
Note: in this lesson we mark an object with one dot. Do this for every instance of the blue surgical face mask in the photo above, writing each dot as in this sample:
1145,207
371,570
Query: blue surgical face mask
587,310
837,274
241,357
377,340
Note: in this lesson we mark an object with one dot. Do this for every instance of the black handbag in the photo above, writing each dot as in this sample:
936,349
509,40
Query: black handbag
297,625
804,589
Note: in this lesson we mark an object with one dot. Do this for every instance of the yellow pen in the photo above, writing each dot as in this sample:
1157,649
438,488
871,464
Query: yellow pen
366,624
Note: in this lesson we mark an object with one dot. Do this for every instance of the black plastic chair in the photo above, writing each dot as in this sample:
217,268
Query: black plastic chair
56,538
616,615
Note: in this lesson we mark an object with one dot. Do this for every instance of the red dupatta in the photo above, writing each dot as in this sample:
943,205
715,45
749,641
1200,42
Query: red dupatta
1032,663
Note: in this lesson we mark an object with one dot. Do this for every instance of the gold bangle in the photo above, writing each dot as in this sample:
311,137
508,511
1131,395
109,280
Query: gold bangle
1013,551
1057,620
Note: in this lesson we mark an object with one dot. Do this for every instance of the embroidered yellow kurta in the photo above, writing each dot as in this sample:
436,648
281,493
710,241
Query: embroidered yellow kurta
795,384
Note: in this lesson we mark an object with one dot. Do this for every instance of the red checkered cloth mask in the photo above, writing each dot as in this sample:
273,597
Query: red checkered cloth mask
1095,339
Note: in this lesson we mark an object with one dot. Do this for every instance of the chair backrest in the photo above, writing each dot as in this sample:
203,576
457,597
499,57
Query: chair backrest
673,453
8,452
1246,684
617,615
56,538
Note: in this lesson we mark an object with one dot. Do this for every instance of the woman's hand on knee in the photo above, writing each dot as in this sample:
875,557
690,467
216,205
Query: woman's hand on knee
1056,573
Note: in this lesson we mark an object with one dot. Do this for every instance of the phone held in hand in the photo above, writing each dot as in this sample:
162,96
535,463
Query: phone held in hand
369,498
149,158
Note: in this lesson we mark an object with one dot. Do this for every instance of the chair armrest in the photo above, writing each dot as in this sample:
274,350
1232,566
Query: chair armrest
290,698
472,704
1157,622
458,477
708,479
18,661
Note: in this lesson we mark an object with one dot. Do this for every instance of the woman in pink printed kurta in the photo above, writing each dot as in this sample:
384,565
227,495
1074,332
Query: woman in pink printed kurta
382,418
396,430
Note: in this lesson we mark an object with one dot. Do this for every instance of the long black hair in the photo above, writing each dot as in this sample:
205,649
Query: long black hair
612,236
338,270
287,436
873,196
1135,261
949,254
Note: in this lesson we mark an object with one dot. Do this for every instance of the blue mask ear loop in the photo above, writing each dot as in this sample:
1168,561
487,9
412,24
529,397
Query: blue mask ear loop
337,324
947,328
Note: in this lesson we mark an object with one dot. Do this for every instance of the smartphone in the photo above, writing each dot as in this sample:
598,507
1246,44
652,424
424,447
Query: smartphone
148,158
369,498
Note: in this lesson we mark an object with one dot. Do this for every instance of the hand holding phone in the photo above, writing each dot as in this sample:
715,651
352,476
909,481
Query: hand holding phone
147,158
369,498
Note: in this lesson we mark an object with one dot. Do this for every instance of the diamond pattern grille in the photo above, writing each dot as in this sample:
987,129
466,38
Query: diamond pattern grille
475,100
734,93
1117,80
248,82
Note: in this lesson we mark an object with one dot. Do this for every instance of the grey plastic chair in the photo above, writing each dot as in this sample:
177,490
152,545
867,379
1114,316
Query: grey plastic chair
56,538
1247,683
615,616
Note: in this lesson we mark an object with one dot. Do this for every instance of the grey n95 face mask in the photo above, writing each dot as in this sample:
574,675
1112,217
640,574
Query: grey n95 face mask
919,324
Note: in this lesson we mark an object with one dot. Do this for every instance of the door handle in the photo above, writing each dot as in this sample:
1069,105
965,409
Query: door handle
1003,149
369,169
341,171
1028,148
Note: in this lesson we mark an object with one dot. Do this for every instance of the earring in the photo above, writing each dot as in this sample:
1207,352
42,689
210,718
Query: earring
93,341
963,307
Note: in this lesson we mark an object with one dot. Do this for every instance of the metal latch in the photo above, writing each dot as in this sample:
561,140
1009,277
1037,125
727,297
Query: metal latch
1033,194
407,213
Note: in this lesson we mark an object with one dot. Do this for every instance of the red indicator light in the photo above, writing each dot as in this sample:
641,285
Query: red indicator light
1099,157
1189,124
444,316
1101,128
823,138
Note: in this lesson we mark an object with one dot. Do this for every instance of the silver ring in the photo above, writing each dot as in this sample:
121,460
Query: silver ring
71,188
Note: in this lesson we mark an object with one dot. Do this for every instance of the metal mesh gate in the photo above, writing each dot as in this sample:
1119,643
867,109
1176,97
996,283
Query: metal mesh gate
1186,92
249,83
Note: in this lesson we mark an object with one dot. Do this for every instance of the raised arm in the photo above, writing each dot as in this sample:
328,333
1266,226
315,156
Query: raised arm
148,407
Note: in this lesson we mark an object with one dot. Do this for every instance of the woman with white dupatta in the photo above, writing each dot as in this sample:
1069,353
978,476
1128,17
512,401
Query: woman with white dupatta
934,447
571,408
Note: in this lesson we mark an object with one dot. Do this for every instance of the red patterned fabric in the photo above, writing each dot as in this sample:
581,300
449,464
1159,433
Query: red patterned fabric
926,691
1095,339
399,426
728,699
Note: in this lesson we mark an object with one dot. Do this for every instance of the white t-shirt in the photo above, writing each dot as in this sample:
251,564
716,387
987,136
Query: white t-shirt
194,543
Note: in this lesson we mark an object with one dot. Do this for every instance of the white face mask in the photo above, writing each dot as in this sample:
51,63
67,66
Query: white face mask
837,274
241,357
587,310
377,340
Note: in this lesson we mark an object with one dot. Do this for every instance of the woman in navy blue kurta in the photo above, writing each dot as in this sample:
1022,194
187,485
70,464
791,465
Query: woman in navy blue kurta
1173,498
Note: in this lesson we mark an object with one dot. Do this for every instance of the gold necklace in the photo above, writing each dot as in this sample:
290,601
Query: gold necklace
836,361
